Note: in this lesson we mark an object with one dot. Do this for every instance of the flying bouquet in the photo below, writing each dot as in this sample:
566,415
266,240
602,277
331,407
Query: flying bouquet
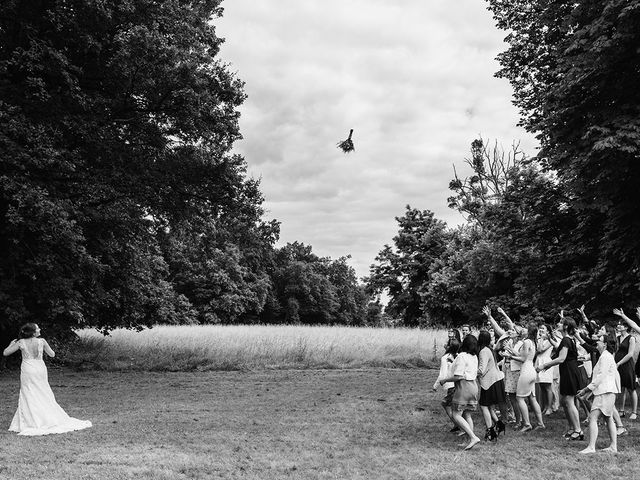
347,145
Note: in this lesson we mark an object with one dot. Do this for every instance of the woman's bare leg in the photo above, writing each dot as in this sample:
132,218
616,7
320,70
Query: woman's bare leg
593,432
463,422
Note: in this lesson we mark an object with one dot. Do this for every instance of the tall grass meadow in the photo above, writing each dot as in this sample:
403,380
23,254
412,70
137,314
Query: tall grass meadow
244,347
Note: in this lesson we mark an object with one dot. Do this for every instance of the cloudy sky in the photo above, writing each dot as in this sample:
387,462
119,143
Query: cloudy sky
414,79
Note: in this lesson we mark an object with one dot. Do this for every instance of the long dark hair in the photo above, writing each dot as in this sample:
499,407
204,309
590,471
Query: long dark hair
456,334
532,332
611,342
469,345
484,339
452,347
28,330
569,324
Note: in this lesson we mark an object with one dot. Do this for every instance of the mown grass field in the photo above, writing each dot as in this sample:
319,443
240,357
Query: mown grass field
263,423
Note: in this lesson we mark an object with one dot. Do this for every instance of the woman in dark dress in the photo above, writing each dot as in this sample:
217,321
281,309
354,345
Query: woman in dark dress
567,360
624,360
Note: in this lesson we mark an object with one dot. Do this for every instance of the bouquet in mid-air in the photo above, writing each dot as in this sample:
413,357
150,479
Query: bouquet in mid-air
347,145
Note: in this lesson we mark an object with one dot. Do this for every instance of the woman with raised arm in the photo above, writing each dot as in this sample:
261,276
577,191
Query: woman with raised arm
491,388
506,338
498,330
464,372
624,374
624,360
38,412
567,359
604,386
526,388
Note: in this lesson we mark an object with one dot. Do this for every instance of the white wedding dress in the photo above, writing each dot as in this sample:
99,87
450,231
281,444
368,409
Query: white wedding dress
38,412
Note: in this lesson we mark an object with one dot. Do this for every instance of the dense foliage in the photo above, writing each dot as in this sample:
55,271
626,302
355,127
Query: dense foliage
121,203
559,229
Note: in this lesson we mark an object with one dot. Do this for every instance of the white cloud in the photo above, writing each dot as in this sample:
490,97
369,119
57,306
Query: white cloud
413,79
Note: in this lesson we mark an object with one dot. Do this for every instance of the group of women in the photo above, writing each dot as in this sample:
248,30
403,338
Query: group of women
506,368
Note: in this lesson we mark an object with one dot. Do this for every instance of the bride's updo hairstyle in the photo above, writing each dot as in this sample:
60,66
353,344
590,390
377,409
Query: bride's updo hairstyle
28,330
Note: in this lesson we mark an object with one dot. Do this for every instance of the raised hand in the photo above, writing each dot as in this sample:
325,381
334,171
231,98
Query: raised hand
581,310
487,311
618,312
561,313
638,312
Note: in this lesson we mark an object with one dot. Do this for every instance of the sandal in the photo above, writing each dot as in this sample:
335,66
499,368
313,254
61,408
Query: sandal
633,416
577,435
567,435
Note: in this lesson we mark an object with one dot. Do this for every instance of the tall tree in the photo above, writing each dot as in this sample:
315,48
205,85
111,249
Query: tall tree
574,67
116,122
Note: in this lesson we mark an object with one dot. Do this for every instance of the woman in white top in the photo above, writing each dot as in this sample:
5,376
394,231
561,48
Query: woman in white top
464,372
605,385
446,362
38,412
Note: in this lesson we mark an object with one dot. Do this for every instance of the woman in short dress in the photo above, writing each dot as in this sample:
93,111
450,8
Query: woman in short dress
567,359
491,388
511,370
624,360
526,387
464,372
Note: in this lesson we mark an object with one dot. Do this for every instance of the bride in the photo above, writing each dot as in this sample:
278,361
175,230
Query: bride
38,412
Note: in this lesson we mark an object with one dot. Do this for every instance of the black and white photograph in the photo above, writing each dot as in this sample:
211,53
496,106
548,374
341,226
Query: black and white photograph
294,239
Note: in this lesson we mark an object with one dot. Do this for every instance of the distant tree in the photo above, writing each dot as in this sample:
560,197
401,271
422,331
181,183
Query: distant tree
314,290
403,269
492,172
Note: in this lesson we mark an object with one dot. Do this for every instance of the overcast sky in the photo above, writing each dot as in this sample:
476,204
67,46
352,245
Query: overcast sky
414,79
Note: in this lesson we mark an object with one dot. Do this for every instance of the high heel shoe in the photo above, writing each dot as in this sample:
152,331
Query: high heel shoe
491,434
577,435
500,427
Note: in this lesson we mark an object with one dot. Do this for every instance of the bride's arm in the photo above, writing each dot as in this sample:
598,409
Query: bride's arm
13,347
47,348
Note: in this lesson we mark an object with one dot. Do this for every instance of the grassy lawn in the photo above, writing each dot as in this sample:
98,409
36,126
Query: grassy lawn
370,423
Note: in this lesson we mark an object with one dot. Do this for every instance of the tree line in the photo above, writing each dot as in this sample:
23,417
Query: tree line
556,230
123,205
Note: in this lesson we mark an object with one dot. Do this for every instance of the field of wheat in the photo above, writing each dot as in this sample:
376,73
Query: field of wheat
241,347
